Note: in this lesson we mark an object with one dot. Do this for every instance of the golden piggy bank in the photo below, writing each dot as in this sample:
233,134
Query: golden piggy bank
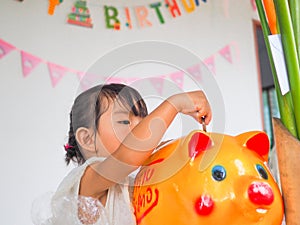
209,178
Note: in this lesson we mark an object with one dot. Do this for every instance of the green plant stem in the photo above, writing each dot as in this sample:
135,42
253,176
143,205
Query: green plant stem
290,54
295,14
284,101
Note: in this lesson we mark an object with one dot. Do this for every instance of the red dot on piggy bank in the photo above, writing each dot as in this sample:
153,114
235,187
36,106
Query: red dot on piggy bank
204,205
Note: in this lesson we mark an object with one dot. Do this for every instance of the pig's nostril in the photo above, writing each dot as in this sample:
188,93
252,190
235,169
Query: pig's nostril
204,205
260,193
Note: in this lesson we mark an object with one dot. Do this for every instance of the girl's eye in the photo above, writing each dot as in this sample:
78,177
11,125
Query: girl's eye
262,172
126,122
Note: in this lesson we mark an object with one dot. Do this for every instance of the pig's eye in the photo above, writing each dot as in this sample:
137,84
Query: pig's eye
218,173
262,172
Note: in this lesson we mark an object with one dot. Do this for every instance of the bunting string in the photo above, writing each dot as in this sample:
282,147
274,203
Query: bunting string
56,72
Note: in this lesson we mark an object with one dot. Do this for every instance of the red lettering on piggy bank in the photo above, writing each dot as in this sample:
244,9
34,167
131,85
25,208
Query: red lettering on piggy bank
146,199
209,178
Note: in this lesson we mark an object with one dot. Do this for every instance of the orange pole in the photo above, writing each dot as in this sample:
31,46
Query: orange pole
271,15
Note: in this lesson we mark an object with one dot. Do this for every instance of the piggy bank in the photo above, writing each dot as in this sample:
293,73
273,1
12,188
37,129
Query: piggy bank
209,178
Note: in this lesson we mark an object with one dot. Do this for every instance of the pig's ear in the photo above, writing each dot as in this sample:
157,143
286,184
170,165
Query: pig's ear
198,142
257,141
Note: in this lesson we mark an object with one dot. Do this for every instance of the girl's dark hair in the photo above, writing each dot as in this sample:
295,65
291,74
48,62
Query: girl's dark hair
88,108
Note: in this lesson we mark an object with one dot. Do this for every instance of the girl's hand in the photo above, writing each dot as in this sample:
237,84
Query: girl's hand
192,103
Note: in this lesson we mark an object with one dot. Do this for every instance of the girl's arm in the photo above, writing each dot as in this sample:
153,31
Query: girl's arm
139,144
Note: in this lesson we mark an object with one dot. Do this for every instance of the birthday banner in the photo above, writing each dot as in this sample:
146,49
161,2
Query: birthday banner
128,16
56,72
121,17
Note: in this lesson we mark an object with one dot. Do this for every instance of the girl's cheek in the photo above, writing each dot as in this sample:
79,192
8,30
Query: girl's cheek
121,132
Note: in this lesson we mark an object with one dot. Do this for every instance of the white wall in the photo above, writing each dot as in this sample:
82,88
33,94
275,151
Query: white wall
34,115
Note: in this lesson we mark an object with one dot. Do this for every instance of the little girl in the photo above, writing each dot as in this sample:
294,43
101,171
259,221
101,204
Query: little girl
111,135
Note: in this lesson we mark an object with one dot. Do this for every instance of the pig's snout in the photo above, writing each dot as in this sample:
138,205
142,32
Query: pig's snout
260,193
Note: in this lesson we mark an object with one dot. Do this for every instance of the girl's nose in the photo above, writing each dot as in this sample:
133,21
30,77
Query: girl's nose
135,122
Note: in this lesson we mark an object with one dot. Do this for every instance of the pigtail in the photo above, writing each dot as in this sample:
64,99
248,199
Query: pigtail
72,149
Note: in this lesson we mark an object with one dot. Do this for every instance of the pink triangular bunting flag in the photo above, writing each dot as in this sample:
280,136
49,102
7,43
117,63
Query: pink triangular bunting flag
157,83
84,84
5,48
253,4
115,80
87,80
29,62
210,63
177,77
226,53
195,71
131,80
56,73
80,75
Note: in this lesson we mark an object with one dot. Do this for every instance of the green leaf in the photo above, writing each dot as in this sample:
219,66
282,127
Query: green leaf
290,54
284,102
295,14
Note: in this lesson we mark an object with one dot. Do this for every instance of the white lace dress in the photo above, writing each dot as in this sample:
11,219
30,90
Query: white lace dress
65,202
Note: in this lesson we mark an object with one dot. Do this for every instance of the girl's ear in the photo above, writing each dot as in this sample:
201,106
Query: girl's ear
86,139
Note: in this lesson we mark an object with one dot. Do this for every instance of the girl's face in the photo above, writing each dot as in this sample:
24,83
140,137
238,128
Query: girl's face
114,125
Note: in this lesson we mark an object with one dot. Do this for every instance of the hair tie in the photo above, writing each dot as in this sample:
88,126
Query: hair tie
67,147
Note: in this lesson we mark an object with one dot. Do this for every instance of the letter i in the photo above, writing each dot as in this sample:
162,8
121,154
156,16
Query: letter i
128,20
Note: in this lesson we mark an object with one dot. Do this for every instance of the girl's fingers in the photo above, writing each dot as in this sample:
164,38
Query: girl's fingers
208,118
198,117
194,104
204,112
